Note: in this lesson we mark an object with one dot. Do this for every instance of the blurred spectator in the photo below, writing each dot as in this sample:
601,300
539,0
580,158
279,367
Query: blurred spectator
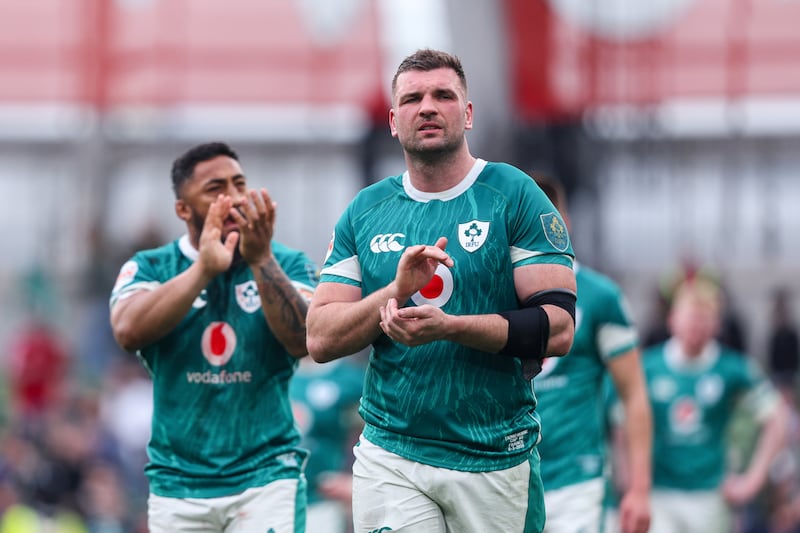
656,331
777,510
20,518
37,368
103,500
376,137
783,352
126,410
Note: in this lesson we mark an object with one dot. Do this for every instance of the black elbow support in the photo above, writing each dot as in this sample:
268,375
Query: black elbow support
528,333
563,298
529,327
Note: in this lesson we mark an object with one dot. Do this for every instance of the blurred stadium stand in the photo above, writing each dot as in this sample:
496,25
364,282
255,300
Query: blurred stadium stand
675,125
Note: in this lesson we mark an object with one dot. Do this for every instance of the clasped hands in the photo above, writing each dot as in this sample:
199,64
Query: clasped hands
414,326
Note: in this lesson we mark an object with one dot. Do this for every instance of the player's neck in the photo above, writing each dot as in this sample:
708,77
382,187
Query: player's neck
440,174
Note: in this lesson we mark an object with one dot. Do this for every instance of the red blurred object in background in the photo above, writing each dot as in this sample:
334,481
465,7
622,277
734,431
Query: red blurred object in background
37,370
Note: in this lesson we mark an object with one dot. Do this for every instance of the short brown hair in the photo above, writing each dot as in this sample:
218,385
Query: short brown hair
427,59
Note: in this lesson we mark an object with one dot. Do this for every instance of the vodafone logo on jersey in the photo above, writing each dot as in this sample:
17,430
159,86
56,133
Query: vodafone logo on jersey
387,242
438,290
218,343
685,415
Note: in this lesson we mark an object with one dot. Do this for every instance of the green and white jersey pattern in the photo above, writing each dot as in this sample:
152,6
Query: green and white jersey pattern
693,402
222,419
570,388
444,404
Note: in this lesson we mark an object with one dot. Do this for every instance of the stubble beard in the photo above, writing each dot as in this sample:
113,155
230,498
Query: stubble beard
433,154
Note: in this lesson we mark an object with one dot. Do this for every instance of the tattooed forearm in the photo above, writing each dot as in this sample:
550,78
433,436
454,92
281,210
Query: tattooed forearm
284,307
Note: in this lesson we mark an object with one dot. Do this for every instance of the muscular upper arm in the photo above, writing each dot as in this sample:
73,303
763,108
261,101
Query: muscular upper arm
340,322
529,280
330,292
122,326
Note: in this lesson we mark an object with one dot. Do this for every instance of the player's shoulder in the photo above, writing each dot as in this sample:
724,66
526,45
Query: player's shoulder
377,193
505,175
736,360
162,253
514,185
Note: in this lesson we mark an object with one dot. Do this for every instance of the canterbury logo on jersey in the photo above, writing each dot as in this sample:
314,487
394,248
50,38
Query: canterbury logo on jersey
387,242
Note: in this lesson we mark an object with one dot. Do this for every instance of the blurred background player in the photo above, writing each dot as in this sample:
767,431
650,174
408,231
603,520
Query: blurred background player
218,318
570,394
325,402
695,383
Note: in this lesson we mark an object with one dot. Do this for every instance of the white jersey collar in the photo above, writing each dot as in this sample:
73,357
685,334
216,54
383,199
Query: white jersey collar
449,194
187,249
677,359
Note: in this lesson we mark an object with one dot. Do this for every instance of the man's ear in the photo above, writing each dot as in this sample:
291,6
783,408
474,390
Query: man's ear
392,123
468,116
183,211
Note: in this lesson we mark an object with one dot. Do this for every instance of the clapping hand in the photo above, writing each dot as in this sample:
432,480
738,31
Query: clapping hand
256,220
214,254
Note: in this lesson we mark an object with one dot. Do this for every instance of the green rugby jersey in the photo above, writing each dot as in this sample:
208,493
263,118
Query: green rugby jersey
325,398
444,404
693,401
222,420
570,389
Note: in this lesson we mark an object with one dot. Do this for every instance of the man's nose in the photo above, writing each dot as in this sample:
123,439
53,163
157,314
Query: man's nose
427,106
238,197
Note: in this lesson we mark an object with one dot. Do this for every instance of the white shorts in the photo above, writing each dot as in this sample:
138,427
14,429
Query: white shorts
279,506
575,508
611,520
391,493
688,512
327,517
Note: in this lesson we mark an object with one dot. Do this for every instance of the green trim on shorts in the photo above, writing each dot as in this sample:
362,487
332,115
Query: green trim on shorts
535,517
300,505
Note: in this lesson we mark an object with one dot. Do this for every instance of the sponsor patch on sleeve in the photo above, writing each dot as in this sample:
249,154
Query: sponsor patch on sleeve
126,275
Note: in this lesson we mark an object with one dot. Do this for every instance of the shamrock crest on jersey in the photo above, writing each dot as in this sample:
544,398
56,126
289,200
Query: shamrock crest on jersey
472,234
